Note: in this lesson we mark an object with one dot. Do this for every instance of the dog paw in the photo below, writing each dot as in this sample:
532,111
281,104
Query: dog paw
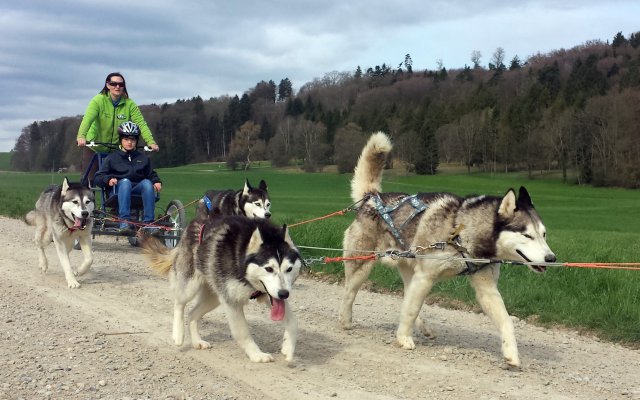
406,342
201,345
287,353
261,357
513,363
81,271
73,284
346,324
424,329
177,339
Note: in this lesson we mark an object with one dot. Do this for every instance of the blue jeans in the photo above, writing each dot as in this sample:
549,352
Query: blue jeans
125,188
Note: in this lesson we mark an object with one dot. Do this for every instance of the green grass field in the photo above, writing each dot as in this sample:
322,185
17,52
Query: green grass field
583,224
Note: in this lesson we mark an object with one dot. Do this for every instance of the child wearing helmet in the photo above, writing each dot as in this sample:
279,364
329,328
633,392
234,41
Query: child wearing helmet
128,171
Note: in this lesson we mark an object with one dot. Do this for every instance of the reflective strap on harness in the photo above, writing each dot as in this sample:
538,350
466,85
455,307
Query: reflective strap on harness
385,212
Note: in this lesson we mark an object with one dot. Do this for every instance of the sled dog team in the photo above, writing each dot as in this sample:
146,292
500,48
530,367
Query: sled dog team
231,253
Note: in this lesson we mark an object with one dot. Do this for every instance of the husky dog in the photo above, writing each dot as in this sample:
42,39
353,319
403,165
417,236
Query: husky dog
229,260
63,215
248,201
442,229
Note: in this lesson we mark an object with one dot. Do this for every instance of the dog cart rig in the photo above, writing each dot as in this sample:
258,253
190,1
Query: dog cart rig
169,225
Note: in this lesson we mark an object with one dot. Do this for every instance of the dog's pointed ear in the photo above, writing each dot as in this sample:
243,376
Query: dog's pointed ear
247,187
263,185
508,204
255,242
287,237
65,186
524,200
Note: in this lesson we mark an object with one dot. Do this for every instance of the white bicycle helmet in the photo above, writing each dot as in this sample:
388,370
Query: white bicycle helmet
129,129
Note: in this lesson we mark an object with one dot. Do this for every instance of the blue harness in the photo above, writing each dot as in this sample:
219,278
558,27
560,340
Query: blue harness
386,210
207,202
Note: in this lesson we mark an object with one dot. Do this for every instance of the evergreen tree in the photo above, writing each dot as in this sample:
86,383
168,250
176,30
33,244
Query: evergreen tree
618,40
244,111
515,63
408,63
285,90
358,73
426,158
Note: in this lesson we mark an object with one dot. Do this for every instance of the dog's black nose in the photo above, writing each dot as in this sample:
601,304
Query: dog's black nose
550,258
85,214
267,215
283,294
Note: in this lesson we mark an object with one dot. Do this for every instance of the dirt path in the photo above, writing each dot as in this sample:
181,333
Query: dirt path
110,339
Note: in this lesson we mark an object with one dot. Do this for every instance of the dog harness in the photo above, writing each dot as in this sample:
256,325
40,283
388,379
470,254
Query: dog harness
207,202
455,242
386,210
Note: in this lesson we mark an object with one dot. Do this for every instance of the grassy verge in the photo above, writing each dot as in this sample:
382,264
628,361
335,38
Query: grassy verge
583,224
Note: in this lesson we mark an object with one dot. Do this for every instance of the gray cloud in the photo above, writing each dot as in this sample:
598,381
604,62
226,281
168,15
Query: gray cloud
55,54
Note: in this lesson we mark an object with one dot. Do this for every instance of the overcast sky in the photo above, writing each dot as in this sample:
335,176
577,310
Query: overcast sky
55,54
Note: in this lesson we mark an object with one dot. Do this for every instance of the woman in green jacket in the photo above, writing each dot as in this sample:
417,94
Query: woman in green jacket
106,111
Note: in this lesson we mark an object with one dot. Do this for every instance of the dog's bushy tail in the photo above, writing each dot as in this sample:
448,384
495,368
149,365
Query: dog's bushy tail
30,218
159,258
367,176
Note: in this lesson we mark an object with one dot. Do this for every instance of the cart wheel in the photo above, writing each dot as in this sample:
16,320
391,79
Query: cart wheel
175,215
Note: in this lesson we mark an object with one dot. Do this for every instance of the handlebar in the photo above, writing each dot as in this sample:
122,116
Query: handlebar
114,146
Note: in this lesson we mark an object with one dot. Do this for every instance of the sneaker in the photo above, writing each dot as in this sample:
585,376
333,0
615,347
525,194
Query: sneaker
124,229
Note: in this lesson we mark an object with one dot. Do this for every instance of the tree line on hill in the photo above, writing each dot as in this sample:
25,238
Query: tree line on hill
569,110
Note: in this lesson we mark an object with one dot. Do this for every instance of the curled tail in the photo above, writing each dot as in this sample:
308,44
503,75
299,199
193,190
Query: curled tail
159,258
367,176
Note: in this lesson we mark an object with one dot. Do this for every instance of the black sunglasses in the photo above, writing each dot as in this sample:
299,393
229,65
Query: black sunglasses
121,84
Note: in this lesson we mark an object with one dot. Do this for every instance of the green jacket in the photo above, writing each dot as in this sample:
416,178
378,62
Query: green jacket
101,120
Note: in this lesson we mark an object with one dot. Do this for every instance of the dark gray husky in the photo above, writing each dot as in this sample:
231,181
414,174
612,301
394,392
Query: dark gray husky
442,229
63,214
229,260
248,201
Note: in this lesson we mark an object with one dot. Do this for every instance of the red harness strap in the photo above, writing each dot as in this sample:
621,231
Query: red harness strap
200,234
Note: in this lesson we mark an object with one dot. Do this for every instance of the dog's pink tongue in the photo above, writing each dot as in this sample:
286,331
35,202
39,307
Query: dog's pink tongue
277,310
77,223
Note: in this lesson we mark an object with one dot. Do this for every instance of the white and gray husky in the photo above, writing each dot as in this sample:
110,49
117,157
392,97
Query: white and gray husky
229,260
63,214
248,201
442,229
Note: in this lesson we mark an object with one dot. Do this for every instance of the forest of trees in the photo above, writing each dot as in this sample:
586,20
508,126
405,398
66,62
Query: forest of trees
575,110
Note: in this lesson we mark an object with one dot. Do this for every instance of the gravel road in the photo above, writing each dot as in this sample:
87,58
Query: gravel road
111,339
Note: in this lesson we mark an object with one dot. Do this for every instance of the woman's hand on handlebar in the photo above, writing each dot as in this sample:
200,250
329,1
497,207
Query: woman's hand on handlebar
81,142
154,147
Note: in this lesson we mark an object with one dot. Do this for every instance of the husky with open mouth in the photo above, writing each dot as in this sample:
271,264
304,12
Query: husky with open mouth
228,260
445,231
63,214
